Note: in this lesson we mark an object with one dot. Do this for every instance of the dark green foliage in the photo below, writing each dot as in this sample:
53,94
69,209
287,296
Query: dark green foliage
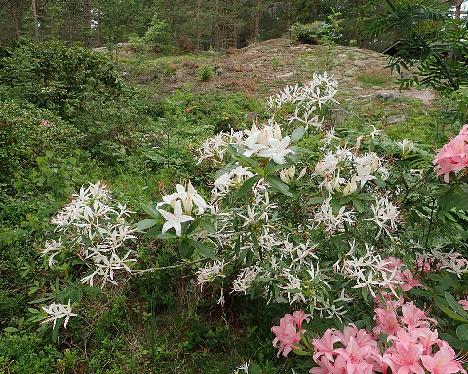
310,33
20,354
430,41
53,76
27,132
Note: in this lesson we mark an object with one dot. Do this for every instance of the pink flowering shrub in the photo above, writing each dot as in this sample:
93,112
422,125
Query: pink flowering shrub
453,157
404,340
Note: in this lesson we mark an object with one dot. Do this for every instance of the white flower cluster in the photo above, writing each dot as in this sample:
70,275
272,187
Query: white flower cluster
319,90
57,311
288,175
407,146
272,239
183,203
232,178
370,270
307,99
210,272
346,172
265,142
385,215
333,222
93,227
215,147
244,367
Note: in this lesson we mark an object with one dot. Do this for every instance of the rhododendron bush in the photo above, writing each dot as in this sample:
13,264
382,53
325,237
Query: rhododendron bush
347,226
404,340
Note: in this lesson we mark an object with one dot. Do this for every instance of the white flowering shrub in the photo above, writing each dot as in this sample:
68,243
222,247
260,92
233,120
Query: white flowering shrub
316,231
298,213
92,231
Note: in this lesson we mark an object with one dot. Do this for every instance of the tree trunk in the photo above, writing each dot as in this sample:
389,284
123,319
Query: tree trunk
35,20
257,21
15,19
289,20
87,22
198,20
360,36
458,6
234,24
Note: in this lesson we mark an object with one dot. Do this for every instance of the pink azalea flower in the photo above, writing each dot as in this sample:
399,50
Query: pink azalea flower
408,281
324,346
464,304
387,320
464,131
393,263
427,338
355,356
299,317
443,361
327,367
453,157
287,334
414,317
403,357
423,265
348,332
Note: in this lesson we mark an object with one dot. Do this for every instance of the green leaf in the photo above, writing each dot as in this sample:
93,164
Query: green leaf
205,250
149,210
145,224
457,308
10,329
279,185
166,235
462,332
451,313
273,167
300,352
314,200
208,226
359,206
247,186
297,134
455,197
186,248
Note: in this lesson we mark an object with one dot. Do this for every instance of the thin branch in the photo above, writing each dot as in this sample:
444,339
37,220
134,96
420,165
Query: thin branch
150,270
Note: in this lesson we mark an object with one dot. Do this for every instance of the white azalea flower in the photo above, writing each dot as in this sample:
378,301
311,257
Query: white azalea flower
174,220
277,150
385,215
407,146
57,311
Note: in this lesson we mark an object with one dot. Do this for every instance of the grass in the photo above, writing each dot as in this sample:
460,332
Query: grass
375,77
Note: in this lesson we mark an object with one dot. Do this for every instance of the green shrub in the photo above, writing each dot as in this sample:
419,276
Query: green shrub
205,73
460,98
275,63
20,354
53,76
158,33
310,33
27,132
